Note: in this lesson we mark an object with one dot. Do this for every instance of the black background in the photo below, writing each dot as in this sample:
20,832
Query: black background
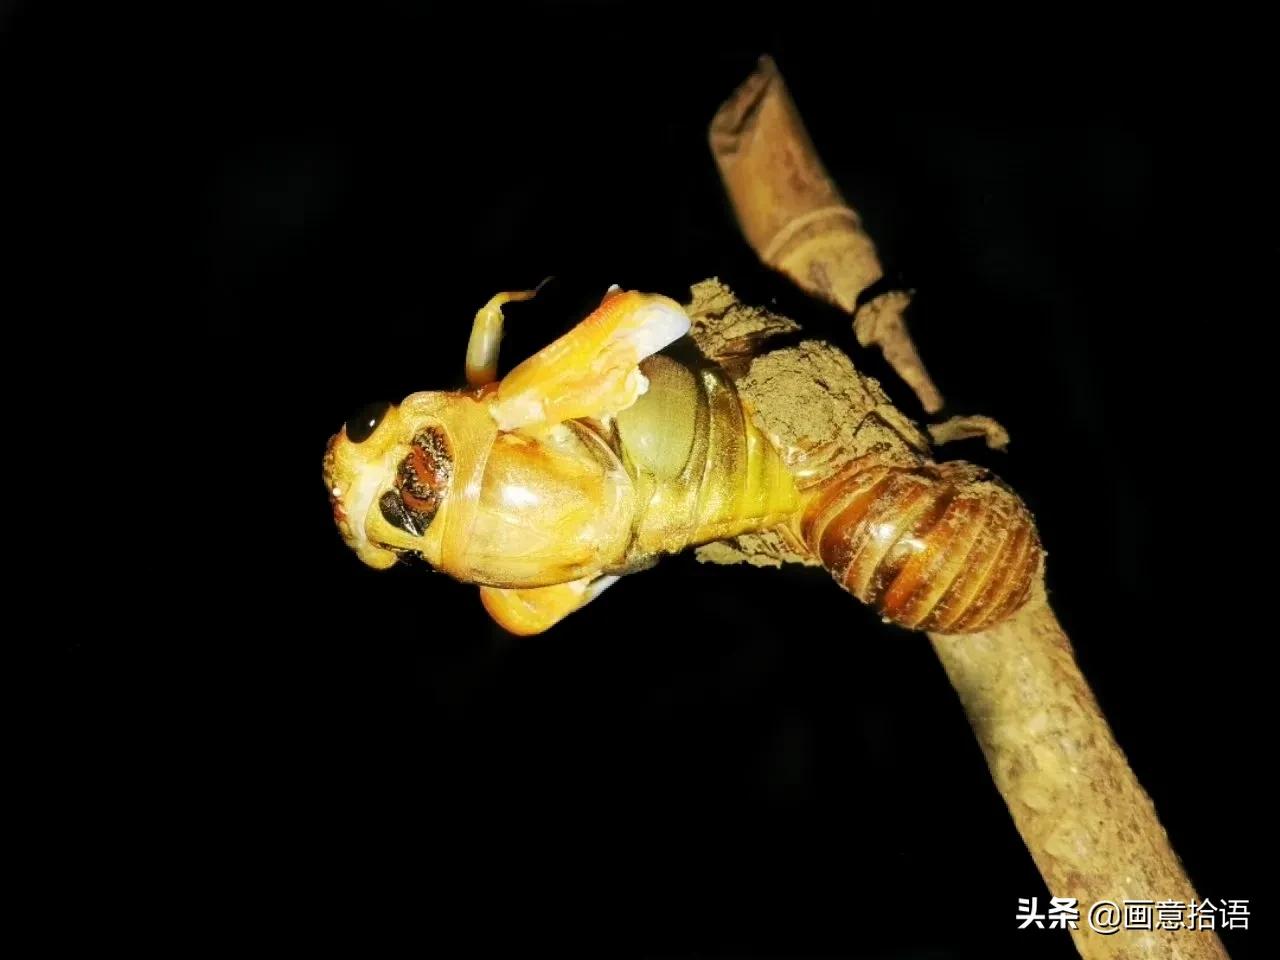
707,761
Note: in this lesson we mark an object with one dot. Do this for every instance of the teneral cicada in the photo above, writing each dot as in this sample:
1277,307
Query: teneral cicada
604,451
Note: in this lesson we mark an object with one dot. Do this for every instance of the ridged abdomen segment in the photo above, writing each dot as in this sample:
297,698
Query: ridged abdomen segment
939,547
703,470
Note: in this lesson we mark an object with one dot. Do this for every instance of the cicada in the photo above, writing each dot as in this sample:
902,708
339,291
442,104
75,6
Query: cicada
611,448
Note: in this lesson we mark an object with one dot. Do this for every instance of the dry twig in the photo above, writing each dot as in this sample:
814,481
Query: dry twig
798,222
1091,829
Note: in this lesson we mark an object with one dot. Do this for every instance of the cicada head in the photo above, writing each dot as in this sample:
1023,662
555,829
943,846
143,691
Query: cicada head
392,468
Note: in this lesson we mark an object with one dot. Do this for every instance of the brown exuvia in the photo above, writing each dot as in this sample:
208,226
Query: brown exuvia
940,547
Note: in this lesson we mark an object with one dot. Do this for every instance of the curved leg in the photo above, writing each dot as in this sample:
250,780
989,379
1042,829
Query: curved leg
486,336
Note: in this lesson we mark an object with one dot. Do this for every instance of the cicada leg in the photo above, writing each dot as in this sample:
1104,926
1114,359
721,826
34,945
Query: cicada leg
486,336
527,612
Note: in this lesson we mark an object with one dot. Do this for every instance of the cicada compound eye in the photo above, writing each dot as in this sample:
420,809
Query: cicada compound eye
364,421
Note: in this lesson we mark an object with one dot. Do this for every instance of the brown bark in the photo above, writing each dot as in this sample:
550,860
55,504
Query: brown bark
962,428
1086,820
797,221
1090,827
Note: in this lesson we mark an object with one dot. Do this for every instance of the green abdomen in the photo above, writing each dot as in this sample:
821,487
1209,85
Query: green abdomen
702,470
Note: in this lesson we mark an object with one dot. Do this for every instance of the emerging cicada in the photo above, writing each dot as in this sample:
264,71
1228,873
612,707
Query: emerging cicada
600,454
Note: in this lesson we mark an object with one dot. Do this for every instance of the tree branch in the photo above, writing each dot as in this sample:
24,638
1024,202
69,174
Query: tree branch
797,221
1091,829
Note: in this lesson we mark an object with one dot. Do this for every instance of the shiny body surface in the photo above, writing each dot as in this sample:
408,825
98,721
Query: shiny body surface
600,454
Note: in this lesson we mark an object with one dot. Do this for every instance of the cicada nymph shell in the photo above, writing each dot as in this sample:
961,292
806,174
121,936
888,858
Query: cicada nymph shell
945,548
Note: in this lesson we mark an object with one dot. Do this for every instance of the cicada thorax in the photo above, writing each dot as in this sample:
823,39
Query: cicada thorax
946,548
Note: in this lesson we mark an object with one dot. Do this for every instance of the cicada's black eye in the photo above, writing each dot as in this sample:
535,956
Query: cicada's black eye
365,420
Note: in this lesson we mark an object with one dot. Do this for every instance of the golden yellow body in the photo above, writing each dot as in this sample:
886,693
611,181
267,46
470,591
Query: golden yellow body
600,454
